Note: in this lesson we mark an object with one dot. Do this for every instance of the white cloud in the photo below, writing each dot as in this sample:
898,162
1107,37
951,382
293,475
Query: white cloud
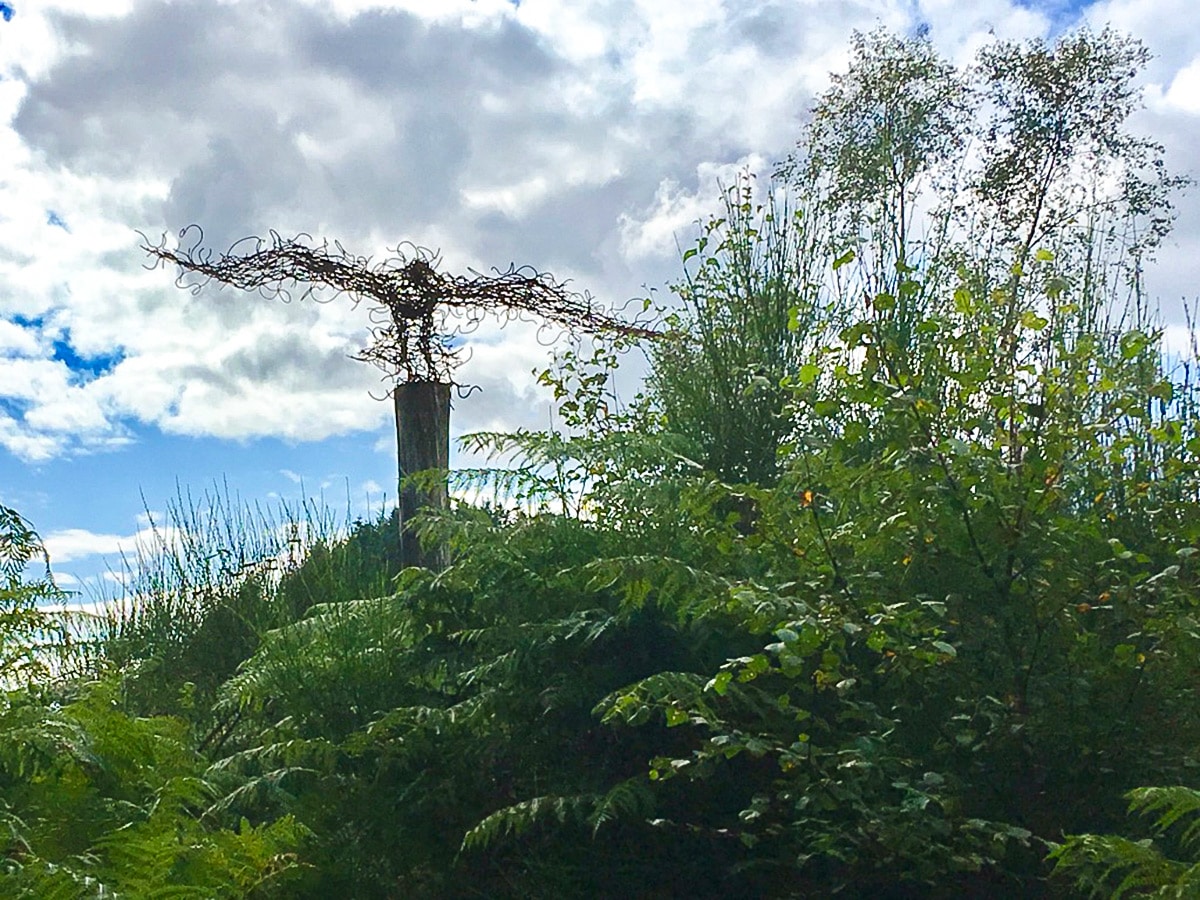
76,543
583,137
31,447
105,567
17,340
1184,92
672,221
1181,342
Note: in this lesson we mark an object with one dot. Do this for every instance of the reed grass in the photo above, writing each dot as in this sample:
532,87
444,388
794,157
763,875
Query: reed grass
216,574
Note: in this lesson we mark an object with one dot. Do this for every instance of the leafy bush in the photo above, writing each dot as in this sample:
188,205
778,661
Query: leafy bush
888,581
97,803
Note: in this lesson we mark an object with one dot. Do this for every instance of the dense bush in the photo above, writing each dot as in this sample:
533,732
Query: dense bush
887,584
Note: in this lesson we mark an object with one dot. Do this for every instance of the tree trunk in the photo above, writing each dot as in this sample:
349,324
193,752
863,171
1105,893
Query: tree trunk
422,442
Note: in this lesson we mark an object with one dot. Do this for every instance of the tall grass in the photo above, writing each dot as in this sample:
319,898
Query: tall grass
216,575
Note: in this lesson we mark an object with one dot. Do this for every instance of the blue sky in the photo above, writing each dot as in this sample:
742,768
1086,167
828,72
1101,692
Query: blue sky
584,137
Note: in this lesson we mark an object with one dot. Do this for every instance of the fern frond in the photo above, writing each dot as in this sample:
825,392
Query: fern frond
586,626
673,583
1171,804
515,820
631,799
433,718
628,799
634,703
39,879
39,740
525,447
259,792
504,486
500,667
289,752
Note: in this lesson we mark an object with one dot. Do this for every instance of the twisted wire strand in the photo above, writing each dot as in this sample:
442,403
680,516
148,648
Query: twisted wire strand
417,313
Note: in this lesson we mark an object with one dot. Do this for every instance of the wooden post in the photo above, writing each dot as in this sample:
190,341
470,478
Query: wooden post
422,442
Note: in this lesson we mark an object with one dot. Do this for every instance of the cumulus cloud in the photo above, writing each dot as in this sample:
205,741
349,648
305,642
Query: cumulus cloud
17,340
581,137
665,226
1184,92
74,544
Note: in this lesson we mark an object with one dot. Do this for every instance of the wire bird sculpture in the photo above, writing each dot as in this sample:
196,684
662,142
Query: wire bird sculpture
413,304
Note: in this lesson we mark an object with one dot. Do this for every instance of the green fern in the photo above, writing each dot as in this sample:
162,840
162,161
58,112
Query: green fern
114,806
37,642
1171,804
667,692
1115,866
629,799
516,820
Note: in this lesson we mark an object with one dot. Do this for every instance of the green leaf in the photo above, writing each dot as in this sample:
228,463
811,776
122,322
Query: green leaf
720,683
1133,343
793,322
827,408
1032,321
808,373
1119,550
1056,286
964,302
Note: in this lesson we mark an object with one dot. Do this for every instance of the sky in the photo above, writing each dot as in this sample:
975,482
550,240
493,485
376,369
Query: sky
583,137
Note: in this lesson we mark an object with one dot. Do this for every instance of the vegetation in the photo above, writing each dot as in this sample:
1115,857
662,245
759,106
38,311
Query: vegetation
887,586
